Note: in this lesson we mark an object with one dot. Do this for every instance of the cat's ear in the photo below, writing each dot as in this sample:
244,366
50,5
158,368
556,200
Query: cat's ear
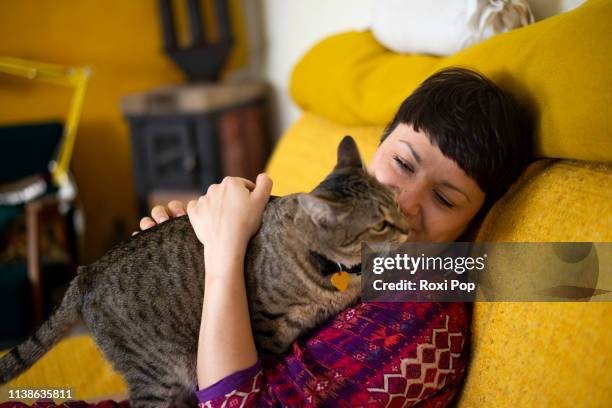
321,211
348,154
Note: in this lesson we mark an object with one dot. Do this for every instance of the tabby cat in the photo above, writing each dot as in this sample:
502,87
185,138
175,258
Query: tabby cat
142,301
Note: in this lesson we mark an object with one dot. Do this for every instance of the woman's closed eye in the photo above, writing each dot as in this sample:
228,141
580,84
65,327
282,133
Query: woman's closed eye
406,167
403,165
443,200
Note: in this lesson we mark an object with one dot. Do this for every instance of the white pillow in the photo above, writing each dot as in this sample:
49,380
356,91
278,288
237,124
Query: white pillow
443,27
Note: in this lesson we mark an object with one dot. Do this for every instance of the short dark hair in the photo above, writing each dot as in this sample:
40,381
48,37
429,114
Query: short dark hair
473,122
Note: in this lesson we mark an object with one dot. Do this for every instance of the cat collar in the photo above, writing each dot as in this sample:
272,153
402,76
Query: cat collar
328,267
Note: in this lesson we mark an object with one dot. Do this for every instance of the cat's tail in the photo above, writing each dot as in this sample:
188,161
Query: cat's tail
27,353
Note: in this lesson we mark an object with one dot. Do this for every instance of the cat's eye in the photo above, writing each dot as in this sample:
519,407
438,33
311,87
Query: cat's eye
382,226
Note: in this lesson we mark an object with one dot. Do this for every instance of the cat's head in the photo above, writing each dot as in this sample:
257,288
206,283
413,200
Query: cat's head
350,206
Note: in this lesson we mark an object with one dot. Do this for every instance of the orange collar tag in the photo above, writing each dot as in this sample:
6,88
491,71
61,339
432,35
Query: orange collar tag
340,280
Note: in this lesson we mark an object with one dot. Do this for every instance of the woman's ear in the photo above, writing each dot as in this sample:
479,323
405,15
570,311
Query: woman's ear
320,210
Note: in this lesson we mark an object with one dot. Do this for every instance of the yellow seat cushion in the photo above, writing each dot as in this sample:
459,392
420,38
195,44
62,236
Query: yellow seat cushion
307,152
554,200
75,362
540,355
546,354
559,67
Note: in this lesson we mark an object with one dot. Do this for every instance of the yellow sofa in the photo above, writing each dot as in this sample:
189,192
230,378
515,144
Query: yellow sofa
523,354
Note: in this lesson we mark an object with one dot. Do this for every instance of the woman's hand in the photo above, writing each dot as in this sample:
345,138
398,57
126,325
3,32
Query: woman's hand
229,214
159,214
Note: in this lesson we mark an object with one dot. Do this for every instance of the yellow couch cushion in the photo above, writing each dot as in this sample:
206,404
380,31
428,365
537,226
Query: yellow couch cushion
554,200
307,152
546,354
75,362
540,355
559,67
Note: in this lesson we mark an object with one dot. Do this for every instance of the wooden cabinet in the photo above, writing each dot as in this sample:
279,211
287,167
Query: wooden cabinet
187,137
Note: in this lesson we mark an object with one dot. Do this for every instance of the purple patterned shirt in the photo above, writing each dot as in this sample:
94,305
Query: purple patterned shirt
374,354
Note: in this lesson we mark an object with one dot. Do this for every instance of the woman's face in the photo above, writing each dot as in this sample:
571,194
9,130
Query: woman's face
437,197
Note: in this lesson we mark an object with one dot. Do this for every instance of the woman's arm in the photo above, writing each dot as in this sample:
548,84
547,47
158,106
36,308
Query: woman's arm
226,342
224,220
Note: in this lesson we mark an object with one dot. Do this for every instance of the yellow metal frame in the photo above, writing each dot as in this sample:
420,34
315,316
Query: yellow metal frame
76,78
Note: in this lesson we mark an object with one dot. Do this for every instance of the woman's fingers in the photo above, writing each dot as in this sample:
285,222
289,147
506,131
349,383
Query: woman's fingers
190,204
233,181
245,182
262,190
146,223
176,208
159,213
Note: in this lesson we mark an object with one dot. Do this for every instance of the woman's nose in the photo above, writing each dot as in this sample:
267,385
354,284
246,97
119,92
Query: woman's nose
410,199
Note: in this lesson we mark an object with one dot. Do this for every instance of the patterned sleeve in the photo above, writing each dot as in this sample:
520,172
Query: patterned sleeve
371,355
240,385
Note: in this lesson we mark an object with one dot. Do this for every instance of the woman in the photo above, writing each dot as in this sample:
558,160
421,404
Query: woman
454,147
